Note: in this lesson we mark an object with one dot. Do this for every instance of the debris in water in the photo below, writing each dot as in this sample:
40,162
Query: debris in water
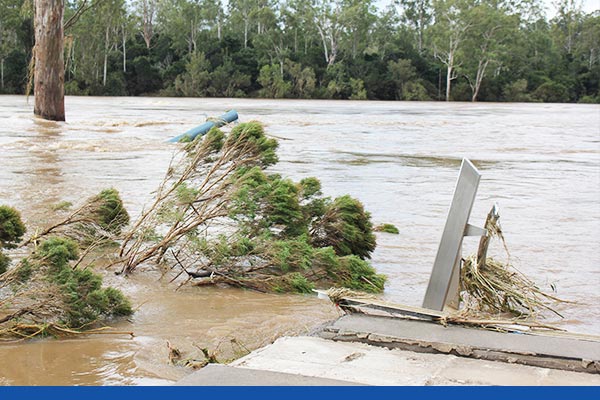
493,287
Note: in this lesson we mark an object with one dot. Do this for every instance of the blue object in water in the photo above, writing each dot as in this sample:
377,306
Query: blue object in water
201,130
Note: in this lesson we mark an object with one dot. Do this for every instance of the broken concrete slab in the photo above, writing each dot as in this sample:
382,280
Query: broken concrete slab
550,351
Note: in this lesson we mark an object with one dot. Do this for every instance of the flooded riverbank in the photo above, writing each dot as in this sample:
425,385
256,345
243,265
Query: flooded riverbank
541,163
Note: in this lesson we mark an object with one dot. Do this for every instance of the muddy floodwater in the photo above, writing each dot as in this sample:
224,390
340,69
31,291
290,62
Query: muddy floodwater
540,163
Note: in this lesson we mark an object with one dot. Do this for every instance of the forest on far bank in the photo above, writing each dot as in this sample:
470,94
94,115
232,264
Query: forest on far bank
462,50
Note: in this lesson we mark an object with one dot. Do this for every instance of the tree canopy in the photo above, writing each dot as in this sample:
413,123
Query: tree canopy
487,50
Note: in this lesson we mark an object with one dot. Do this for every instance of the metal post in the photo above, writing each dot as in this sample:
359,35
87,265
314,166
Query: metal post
446,267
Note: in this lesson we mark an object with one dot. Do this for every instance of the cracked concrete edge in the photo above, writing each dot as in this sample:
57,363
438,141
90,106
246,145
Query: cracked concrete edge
523,358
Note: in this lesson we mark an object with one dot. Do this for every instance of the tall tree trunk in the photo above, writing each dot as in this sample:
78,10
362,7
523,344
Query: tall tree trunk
449,81
296,40
219,23
124,50
106,49
2,73
49,73
479,78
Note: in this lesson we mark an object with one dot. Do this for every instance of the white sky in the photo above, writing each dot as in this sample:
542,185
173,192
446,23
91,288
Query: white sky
588,6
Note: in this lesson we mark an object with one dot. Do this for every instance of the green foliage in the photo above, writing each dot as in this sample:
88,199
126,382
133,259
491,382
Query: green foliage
57,252
346,227
111,214
299,283
24,270
551,92
268,201
273,83
214,139
283,208
309,187
85,299
228,81
293,254
185,194
360,275
303,80
301,50
516,91
195,81
387,228
358,89
281,235
12,228
4,262
253,134
62,206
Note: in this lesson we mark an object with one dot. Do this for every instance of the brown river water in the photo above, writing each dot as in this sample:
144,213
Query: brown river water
540,163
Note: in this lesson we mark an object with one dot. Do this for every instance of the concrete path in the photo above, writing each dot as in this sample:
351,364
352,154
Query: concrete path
371,365
372,350
224,375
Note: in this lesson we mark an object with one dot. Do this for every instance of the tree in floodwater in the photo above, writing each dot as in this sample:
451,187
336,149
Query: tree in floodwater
49,74
53,290
218,217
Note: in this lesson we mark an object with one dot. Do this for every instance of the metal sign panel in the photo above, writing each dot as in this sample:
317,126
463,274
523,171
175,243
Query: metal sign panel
456,226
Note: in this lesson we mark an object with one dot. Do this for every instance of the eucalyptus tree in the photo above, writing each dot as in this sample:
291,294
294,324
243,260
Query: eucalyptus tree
182,21
452,22
240,13
92,39
213,16
418,14
271,47
327,19
357,20
384,30
111,15
493,27
10,19
567,23
588,45
49,72
264,15
297,19
145,12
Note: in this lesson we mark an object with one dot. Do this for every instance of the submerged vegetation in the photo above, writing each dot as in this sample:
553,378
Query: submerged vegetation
53,290
387,228
12,228
219,217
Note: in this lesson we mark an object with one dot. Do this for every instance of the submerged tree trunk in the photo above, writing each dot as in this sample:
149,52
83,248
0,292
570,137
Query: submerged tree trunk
49,73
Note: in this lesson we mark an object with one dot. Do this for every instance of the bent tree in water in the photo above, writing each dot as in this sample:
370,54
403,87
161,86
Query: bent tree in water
52,289
220,217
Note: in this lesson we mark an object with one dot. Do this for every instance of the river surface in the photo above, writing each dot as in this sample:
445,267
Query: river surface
540,163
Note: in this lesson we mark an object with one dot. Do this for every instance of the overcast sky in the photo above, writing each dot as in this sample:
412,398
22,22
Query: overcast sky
587,6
